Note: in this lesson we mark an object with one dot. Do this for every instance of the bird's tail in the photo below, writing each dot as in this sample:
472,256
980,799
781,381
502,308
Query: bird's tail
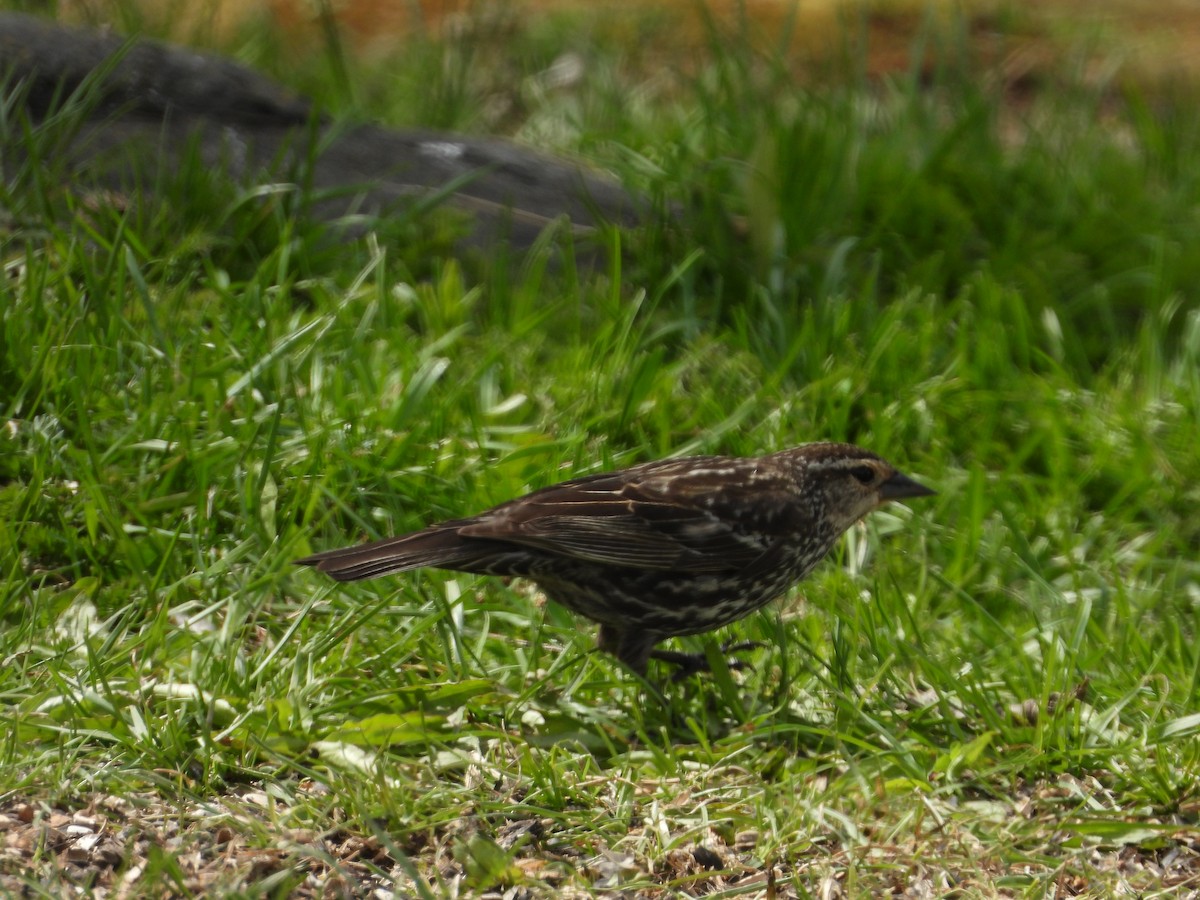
439,546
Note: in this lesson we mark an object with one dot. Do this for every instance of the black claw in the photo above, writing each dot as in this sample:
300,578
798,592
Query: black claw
693,663
730,647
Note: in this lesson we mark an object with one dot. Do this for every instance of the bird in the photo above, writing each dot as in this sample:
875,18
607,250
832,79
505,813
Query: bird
664,549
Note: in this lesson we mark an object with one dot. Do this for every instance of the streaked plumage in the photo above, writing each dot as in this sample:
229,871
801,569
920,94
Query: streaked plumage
667,548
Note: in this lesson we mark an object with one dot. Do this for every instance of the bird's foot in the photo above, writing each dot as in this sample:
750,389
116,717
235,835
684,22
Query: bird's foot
693,663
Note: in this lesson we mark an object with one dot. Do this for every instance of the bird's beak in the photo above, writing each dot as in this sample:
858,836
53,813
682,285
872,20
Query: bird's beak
900,486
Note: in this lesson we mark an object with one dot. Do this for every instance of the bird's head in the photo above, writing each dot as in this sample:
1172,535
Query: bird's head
851,482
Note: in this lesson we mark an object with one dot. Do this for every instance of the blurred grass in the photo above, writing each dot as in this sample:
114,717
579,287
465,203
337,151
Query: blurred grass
1001,301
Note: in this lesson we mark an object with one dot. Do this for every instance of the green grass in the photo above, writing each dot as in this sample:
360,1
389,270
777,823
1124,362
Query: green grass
995,691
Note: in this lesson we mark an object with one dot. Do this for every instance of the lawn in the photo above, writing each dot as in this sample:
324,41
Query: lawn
992,692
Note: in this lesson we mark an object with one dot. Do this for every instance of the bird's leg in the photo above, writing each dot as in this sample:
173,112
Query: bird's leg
634,648
691,663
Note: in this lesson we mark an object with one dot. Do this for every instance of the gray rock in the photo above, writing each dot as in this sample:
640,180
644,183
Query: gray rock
146,105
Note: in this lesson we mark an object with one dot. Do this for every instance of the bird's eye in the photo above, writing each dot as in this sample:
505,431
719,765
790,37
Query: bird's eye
864,474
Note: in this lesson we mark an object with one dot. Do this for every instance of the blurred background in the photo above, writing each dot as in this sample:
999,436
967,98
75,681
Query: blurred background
1150,39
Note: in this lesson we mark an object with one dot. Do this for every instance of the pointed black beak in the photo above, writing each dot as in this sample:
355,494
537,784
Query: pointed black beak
900,487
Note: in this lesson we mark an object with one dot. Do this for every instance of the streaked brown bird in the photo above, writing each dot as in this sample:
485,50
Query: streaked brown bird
667,548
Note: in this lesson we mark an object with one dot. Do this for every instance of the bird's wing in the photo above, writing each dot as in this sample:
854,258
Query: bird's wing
654,517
